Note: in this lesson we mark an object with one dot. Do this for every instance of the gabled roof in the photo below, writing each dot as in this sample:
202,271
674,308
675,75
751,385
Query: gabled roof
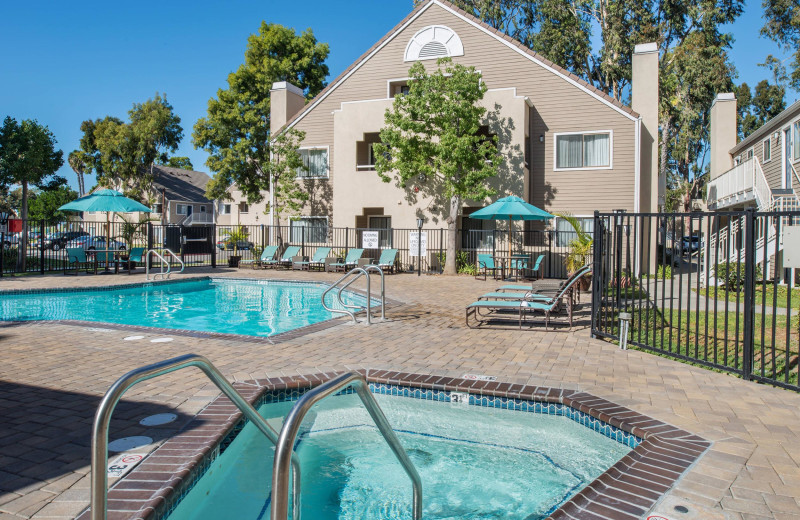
180,185
504,38
770,126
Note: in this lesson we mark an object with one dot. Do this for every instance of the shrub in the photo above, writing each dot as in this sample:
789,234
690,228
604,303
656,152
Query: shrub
732,274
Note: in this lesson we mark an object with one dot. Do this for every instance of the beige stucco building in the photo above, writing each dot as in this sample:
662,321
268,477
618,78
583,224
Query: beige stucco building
568,146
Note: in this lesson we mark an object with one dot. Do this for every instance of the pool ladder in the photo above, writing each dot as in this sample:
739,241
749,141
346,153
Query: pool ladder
102,418
359,272
164,274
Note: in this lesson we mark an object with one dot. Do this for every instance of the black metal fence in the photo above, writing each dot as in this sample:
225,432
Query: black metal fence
713,289
216,244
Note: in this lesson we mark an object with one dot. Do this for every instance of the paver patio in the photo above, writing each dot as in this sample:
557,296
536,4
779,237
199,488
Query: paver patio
52,376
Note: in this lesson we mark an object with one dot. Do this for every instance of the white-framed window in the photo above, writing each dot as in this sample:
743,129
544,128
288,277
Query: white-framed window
224,209
202,209
315,161
157,208
767,153
583,150
244,207
182,209
310,229
796,141
565,233
749,154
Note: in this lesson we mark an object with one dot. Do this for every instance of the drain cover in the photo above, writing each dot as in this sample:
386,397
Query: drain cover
158,419
129,443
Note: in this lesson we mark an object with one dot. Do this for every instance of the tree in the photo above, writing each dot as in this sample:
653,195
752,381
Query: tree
431,139
10,200
44,205
755,110
782,25
235,133
123,154
28,157
282,169
184,163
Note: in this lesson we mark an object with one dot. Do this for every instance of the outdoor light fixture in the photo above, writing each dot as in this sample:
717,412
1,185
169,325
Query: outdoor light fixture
419,246
541,138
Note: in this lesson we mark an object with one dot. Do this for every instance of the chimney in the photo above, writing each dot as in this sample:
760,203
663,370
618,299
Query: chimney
723,133
644,100
285,101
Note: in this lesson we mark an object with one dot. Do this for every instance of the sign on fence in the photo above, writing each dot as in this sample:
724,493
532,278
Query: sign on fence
369,239
791,244
413,245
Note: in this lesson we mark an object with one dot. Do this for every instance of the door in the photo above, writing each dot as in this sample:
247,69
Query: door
787,158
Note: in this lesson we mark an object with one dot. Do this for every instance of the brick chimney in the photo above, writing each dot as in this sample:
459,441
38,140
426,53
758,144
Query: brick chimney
285,101
722,133
644,100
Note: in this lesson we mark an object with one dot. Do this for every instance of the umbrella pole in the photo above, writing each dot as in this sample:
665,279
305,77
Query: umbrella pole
108,236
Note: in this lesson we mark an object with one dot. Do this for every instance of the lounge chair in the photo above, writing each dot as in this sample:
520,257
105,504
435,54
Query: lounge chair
135,256
387,260
350,261
285,259
266,255
541,290
528,304
317,260
76,256
486,264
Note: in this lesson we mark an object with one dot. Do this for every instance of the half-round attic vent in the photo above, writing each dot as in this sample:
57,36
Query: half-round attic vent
434,41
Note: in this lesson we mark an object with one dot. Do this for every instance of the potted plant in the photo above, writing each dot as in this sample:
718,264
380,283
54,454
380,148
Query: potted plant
235,236
131,230
579,249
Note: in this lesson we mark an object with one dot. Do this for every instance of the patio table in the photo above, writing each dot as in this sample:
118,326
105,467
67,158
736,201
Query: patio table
105,252
511,262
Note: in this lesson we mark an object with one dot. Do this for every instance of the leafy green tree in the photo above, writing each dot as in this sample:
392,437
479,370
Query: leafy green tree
282,169
782,25
235,133
28,157
756,109
10,200
184,163
44,205
431,138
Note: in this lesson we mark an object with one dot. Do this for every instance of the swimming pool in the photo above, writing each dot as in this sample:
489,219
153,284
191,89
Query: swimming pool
218,305
476,462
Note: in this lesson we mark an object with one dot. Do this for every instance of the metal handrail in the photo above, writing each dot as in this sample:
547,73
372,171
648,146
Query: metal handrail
331,287
162,274
176,257
362,271
291,427
369,268
99,476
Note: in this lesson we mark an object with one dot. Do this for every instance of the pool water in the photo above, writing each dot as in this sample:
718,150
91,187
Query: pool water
248,307
475,463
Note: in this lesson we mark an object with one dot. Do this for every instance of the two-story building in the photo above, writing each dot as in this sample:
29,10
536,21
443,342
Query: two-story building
568,146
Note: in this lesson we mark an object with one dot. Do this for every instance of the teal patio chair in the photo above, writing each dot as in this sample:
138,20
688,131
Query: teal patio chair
486,264
76,257
318,260
287,256
387,260
266,255
136,256
350,261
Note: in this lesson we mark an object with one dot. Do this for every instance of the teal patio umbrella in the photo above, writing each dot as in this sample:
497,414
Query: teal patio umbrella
108,201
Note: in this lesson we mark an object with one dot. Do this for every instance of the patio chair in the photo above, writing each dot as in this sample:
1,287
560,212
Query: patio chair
485,264
527,304
135,256
536,270
317,260
533,286
387,260
266,255
350,261
76,257
287,257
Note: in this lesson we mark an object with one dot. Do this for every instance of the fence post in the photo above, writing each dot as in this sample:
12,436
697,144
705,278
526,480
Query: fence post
749,292
213,239
41,246
346,240
550,237
302,240
149,243
597,270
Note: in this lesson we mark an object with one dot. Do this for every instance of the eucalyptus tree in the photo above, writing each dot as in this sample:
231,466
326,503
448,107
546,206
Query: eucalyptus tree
782,25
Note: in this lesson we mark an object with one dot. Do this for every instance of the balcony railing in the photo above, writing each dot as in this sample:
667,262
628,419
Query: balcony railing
733,187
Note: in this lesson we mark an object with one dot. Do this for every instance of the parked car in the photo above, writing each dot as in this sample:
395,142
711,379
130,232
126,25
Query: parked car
58,240
90,243
241,245
691,244
10,239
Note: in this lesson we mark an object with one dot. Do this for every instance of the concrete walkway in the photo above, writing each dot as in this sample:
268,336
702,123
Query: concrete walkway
52,376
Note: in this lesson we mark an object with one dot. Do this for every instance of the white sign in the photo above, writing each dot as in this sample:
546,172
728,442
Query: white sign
124,463
413,244
369,239
791,246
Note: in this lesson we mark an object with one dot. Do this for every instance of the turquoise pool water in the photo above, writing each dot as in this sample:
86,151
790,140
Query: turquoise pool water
249,307
475,463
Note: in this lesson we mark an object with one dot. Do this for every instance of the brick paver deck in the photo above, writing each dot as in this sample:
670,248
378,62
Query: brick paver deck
52,376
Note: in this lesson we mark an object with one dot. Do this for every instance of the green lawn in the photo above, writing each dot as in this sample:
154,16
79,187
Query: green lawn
720,293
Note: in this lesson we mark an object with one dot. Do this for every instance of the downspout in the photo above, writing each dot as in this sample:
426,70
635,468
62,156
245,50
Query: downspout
637,195
271,202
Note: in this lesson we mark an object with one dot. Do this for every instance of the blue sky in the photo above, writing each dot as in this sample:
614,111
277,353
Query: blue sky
64,62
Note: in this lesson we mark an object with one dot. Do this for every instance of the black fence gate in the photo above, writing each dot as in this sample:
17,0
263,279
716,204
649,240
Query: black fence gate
713,289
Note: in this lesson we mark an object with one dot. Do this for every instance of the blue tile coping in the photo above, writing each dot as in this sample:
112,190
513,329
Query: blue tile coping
660,453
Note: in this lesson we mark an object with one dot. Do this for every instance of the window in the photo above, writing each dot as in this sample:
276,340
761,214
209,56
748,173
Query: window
315,161
767,149
796,141
244,207
224,209
749,154
384,226
316,229
476,233
591,150
202,209
565,233
182,209
398,87
365,153
157,208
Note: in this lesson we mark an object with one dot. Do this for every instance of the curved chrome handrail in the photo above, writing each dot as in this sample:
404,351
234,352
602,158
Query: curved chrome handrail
102,418
339,295
291,427
369,268
176,257
162,274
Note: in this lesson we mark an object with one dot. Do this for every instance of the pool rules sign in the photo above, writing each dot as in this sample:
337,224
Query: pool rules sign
414,245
